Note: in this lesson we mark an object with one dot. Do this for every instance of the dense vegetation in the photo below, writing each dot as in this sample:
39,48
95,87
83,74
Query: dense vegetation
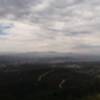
63,81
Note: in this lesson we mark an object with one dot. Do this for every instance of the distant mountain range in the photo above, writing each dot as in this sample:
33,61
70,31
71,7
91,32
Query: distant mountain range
50,57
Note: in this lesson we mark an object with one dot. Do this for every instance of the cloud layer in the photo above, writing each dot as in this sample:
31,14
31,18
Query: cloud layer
50,25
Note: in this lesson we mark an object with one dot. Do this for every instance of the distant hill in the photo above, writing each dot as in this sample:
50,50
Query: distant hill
50,57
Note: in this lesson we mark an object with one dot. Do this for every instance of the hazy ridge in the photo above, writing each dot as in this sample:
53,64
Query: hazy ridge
46,57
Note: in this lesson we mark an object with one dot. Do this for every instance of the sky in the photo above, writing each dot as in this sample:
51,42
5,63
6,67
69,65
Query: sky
50,25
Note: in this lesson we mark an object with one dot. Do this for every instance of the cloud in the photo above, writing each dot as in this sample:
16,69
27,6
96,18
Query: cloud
50,25
4,28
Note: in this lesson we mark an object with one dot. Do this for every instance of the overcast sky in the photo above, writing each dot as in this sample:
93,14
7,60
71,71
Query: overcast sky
50,25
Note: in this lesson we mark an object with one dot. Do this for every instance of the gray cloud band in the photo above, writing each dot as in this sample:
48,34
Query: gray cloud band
57,18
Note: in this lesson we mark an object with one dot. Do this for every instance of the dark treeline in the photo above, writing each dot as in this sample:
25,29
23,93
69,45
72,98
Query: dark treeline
63,81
